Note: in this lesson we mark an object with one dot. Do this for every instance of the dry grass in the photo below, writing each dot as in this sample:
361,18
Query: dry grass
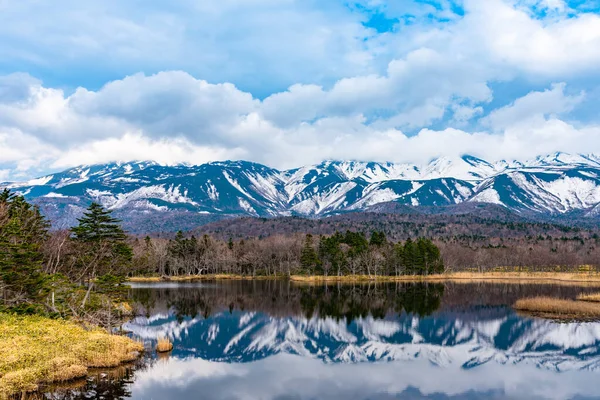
587,278
164,345
592,279
194,278
558,308
591,297
39,350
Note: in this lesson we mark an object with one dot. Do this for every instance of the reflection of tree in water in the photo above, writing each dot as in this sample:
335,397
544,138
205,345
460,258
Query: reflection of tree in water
100,384
281,298
352,302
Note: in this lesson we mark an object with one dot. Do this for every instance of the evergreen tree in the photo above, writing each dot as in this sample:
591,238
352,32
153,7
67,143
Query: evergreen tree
309,260
410,257
378,239
102,243
22,232
98,225
330,253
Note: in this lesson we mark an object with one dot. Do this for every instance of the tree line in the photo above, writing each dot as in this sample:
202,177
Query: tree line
76,271
349,253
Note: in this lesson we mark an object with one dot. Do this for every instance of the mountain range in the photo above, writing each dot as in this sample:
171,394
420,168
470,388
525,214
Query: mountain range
556,184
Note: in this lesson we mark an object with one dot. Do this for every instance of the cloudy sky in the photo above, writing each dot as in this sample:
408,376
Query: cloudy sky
293,82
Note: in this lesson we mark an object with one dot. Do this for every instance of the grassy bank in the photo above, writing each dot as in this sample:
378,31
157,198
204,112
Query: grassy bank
591,278
549,307
194,278
38,350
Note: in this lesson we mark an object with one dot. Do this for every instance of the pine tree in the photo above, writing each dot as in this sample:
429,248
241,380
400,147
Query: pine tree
22,231
378,239
309,258
102,243
98,225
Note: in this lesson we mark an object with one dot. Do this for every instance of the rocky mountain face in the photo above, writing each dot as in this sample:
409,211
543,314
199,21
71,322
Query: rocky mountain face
149,193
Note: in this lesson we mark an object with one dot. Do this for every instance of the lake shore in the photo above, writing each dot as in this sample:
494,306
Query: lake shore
590,278
38,350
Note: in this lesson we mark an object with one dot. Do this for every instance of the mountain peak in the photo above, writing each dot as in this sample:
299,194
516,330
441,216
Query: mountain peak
556,183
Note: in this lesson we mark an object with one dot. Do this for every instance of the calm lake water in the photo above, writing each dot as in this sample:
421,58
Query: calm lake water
278,340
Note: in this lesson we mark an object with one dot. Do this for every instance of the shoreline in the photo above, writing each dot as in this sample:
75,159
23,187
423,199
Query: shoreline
39,351
592,278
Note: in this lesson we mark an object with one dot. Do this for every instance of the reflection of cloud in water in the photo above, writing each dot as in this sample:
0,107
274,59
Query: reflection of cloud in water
294,377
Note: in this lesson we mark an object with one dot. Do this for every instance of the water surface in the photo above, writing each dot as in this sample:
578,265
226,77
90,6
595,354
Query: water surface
278,340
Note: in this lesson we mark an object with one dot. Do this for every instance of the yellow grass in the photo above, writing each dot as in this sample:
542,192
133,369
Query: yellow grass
579,278
164,345
192,278
559,308
589,278
37,350
591,297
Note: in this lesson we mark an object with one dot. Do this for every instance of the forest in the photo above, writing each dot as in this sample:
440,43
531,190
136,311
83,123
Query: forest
80,271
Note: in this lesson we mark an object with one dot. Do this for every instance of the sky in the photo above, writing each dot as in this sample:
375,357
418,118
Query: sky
294,82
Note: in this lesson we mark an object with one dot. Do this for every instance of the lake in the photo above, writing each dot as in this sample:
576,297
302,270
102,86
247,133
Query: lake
280,340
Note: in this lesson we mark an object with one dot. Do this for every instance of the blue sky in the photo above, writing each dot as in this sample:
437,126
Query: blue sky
291,82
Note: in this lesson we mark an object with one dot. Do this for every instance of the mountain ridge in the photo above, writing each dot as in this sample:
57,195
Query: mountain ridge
550,185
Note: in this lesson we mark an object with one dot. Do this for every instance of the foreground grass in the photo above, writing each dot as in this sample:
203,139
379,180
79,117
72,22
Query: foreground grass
37,350
558,308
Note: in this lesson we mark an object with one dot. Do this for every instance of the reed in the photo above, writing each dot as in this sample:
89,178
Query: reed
591,297
559,308
38,350
586,278
164,345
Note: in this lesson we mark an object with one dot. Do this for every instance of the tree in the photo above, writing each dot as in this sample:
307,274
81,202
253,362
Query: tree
378,239
23,231
97,225
309,260
101,246
330,253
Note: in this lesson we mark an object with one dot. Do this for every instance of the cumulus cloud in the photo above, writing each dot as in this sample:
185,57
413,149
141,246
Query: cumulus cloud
533,107
343,90
172,117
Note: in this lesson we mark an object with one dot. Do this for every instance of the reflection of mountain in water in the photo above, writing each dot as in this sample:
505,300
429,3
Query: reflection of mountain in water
444,338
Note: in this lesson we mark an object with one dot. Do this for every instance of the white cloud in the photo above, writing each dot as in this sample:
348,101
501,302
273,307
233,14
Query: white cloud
350,92
509,36
263,43
172,117
534,106
135,146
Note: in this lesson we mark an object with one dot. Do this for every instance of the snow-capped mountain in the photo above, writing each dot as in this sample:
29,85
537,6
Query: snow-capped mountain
555,184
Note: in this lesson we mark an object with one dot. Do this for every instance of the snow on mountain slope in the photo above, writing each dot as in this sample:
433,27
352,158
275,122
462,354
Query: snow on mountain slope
557,183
